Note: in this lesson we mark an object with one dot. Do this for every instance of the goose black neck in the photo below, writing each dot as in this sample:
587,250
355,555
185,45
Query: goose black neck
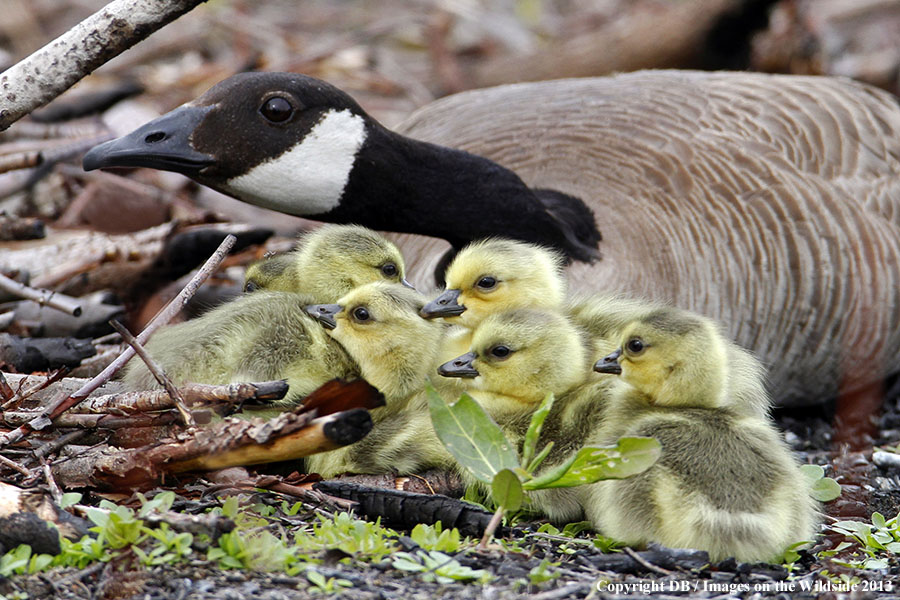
405,185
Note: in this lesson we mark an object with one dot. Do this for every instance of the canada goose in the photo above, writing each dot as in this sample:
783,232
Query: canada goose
496,274
517,358
379,326
329,262
725,481
769,203
258,337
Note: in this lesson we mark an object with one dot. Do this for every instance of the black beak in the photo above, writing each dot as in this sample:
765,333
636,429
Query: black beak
445,305
164,143
609,363
461,366
324,314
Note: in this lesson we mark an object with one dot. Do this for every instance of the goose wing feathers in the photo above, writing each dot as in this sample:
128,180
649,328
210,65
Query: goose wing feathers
771,203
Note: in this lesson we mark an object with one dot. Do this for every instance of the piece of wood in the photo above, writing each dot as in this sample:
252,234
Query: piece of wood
41,77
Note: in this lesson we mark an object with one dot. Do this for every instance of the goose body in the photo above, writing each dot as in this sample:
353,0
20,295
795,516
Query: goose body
725,481
769,203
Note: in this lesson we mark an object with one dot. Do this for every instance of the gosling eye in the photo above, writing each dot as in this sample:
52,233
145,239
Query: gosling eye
486,283
635,346
250,286
389,270
276,109
361,314
501,352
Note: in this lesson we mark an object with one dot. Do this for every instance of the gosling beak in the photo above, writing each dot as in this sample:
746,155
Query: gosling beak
461,366
164,143
405,282
324,314
609,363
445,305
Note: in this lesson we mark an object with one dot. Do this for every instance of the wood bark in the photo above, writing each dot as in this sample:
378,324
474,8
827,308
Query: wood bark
41,77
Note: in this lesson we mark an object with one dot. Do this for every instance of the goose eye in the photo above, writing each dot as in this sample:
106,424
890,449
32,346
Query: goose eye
389,269
500,352
486,283
277,109
635,346
361,314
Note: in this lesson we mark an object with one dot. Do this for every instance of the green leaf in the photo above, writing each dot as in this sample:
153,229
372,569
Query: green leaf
534,429
878,520
506,488
812,473
825,489
537,460
471,436
630,456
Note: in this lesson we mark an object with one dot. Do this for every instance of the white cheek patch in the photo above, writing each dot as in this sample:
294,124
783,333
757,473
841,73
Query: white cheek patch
308,179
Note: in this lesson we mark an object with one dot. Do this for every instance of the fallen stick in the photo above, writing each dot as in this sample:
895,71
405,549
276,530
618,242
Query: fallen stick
225,444
39,78
64,401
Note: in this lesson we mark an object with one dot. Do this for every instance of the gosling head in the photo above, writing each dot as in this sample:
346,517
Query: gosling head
495,275
330,261
379,326
673,358
523,354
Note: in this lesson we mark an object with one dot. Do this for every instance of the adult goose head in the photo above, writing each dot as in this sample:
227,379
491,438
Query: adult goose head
298,145
769,203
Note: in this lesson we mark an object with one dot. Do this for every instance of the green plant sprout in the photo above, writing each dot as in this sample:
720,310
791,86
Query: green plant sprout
823,489
875,540
480,447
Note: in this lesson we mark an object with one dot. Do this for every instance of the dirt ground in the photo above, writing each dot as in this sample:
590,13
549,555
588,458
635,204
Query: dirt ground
394,56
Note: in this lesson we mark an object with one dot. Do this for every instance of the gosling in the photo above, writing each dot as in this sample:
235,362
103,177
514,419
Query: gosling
329,262
256,336
517,357
494,275
380,327
725,482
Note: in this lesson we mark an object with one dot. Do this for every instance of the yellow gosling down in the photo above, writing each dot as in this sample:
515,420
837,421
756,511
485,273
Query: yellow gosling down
518,357
267,334
380,327
495,275
258,337
329,262
725,482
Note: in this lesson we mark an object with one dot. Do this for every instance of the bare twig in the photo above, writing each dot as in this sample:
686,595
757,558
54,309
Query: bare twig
644,563
51,482
57,443
25,160
158,373
64,402
14,465
230,396
42,297
22,394
41,77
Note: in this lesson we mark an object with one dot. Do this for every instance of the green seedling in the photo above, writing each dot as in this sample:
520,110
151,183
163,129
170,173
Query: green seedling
823,489
876,541
480,447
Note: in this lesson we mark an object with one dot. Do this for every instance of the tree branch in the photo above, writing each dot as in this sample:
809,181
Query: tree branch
41,77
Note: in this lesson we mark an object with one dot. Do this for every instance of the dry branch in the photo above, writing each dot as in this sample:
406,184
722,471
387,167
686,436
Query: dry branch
221,445
42,297
65,401
41,77
157,372
194,394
